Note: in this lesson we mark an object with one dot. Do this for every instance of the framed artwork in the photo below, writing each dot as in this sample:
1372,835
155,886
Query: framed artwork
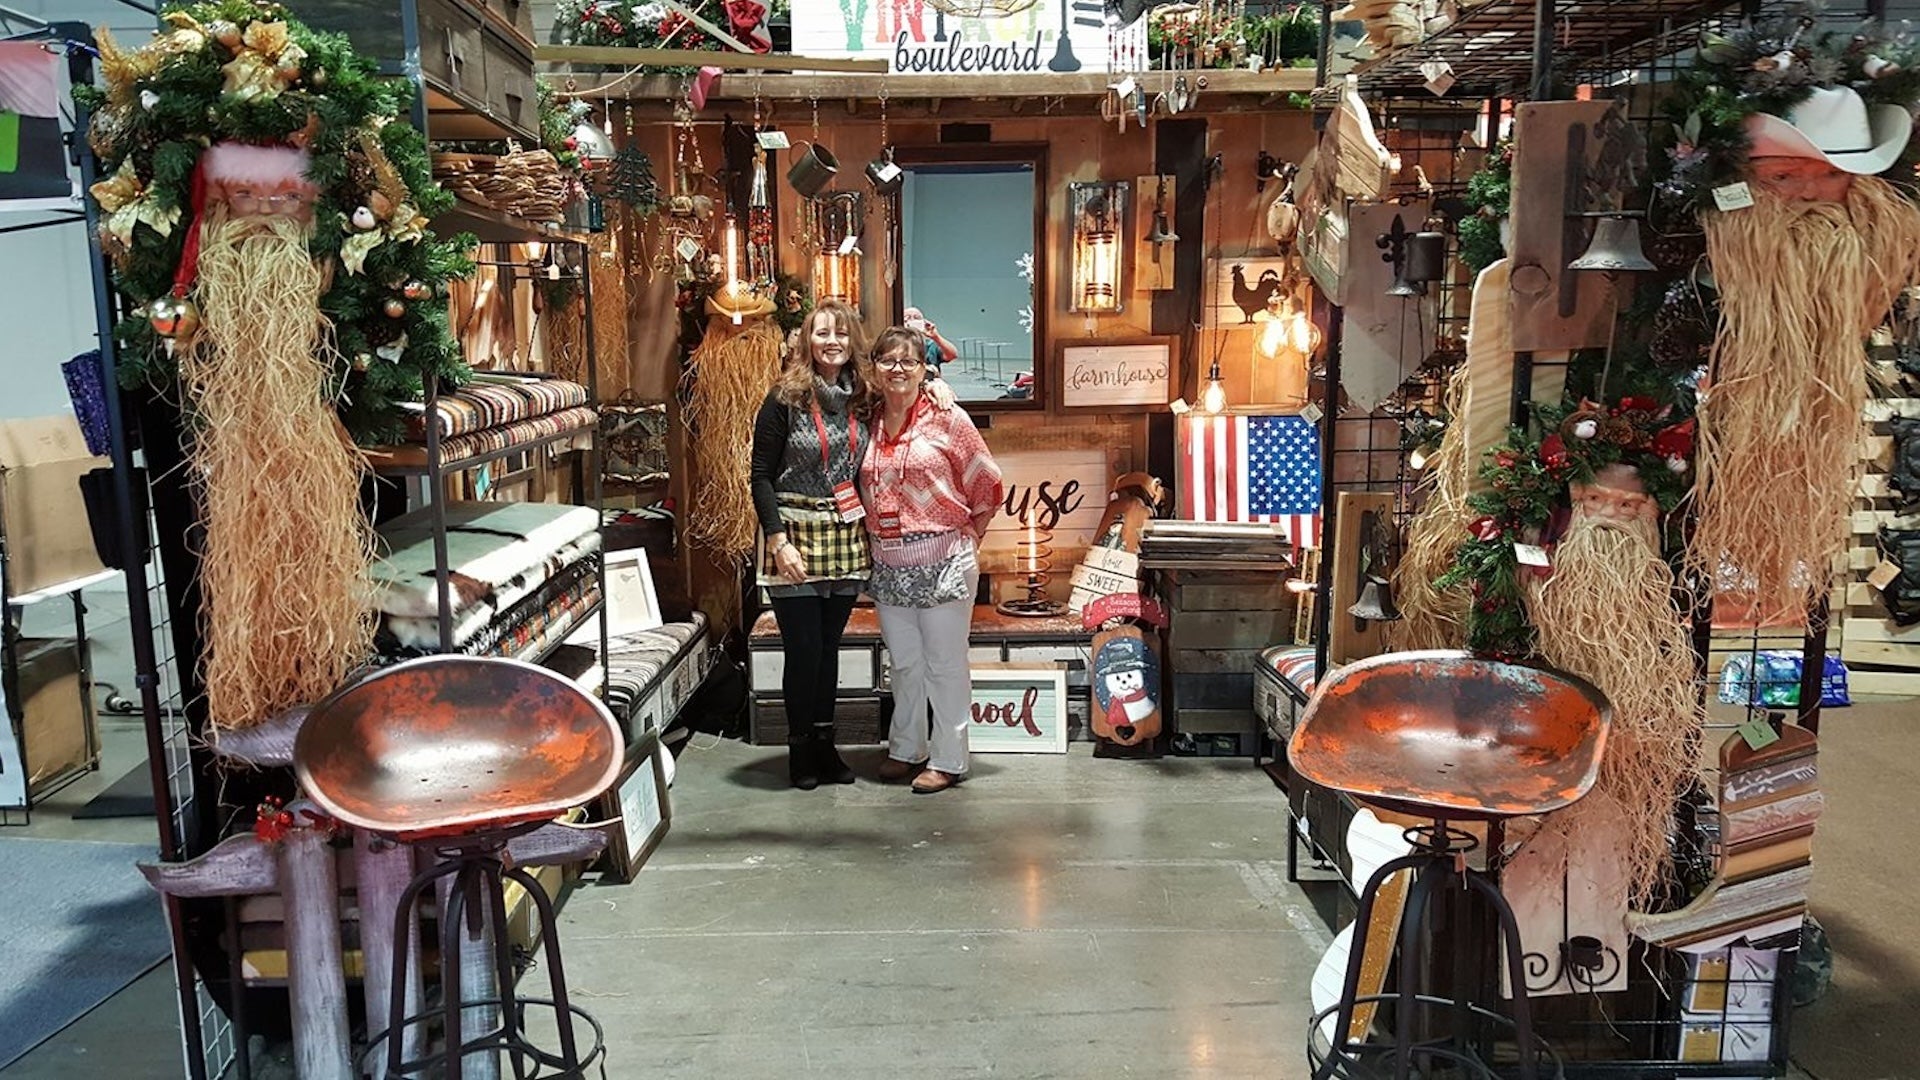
632,604
1112,375
639,808
1018,709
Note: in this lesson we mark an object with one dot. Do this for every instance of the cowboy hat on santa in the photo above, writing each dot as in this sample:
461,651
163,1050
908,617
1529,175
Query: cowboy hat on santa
1834,125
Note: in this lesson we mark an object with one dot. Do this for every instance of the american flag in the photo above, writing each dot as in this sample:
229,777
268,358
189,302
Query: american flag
1252,468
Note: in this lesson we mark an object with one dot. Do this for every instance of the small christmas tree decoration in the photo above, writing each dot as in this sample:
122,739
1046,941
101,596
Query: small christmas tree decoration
415,289
394,307
629,179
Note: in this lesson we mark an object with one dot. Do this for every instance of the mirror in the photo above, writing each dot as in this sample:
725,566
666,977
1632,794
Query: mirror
972,258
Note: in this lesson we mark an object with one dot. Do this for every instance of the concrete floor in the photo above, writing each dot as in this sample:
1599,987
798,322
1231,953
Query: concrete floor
1055,917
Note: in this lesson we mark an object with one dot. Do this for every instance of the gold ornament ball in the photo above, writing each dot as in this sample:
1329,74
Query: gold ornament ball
362,361
416,290
319,77
174,317
395,308
289,71
225,33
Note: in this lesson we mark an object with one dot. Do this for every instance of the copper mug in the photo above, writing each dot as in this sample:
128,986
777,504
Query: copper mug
813,170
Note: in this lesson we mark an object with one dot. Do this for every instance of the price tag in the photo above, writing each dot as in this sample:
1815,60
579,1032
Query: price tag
1883,575
1124,88
1734,196
1758,732
688,248
1179,407
885,172
1311,413
773,140
1439,77
849,245
1532,555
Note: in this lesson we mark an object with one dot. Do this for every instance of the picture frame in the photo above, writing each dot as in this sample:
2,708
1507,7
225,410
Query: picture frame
632,603
1018,709
639,808
1117,376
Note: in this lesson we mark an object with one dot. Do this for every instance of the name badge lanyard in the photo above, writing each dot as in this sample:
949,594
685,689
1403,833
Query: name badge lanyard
853,450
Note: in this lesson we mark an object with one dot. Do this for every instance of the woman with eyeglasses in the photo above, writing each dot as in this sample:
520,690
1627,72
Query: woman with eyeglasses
930,487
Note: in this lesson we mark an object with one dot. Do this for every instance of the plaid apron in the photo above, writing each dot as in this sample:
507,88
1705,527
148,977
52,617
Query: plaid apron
835,550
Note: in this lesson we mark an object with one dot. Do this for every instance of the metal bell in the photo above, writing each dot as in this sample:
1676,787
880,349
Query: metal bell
1615,246
1403,286
1426,256
1376,602
1162,230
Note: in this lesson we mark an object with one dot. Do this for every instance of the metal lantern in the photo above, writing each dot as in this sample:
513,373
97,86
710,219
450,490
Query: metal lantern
1098,210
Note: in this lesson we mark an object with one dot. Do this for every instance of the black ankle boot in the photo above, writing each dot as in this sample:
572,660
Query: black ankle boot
831,769
802,768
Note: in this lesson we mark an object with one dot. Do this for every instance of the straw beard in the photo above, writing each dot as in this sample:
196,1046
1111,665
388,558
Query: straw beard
284,565
726,382
1607,615
1801,285
1430,618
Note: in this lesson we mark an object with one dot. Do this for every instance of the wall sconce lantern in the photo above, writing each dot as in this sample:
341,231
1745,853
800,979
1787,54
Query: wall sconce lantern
836,218
1098,211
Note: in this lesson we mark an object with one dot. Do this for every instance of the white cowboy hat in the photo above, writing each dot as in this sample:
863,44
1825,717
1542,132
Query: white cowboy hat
1834,125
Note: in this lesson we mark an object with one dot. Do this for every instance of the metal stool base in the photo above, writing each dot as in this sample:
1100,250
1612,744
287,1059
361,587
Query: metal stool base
1374,1061
526,1060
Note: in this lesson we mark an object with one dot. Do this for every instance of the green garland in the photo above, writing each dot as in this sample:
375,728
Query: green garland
243,71
1489,197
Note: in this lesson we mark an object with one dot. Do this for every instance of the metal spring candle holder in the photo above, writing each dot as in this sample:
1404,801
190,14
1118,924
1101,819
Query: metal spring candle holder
1034,551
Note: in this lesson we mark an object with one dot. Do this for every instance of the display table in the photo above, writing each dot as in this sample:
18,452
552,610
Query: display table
865,701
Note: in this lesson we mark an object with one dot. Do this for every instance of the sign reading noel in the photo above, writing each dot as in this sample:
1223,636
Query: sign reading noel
956,37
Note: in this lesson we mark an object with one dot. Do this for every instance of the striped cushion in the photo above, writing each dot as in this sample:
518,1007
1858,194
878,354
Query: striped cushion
1294,664
491,401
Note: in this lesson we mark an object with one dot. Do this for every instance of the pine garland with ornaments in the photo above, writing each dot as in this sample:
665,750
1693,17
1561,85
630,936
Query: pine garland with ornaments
239,73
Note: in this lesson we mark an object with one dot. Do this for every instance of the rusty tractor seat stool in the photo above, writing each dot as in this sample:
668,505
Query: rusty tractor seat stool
1448,737
459,755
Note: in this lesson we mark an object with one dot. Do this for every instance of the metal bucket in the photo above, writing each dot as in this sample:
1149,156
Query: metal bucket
812,170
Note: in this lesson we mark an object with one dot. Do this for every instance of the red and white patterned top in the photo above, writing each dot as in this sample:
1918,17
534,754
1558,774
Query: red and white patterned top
936,477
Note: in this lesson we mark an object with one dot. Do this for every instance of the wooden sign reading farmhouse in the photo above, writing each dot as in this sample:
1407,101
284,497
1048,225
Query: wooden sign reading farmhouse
1106,375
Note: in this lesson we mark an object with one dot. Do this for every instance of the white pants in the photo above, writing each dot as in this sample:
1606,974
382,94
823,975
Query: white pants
928,651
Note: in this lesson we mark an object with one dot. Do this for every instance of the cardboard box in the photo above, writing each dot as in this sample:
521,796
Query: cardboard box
59,730
41,511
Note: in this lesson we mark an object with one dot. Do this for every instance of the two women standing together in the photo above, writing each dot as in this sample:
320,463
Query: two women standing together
867,477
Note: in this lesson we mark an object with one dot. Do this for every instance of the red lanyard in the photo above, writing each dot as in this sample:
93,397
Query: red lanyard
913,413
853,451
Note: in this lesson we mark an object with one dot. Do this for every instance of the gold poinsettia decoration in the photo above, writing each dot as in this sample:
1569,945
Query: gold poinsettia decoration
128,204
250,75
357,246
122,69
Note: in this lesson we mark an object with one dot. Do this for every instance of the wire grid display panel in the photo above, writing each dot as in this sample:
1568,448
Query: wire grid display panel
217,1047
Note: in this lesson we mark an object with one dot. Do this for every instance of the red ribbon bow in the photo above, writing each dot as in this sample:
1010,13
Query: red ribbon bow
747,18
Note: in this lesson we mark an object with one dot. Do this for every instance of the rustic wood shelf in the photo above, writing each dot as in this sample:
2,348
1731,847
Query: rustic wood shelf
1219,83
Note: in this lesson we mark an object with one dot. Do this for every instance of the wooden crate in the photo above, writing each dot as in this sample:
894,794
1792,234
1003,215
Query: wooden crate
1219,623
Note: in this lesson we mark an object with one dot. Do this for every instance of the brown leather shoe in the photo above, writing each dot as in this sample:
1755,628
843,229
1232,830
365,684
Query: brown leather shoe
934,780
895,770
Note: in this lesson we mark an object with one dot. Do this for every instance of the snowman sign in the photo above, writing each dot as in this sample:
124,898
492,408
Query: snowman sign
1126,687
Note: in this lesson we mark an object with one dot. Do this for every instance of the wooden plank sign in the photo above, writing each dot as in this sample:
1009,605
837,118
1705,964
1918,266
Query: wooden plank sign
1019,709
1059,491
1109,374
1555,308
1385,337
